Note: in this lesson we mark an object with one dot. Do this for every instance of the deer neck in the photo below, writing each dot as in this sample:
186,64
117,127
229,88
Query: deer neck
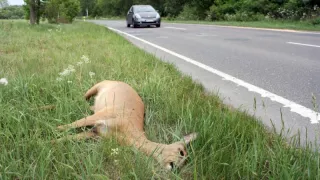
140,142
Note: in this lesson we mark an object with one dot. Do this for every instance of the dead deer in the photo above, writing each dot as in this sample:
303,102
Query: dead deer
119,112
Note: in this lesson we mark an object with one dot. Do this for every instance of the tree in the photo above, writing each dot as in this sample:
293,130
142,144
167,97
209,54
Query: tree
71,9
62,10
87,7
11,12
238,10
33,10
54,10
3,3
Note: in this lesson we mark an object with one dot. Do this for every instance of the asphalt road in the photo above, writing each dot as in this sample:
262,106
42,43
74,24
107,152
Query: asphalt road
284,63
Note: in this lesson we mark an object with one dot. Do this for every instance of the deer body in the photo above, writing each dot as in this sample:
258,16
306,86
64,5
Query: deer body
119,111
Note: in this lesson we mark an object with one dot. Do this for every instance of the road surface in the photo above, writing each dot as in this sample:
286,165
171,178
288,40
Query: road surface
261,71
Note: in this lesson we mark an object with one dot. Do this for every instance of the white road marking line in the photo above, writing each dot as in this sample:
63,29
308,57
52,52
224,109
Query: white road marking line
176,28
294,107
310,45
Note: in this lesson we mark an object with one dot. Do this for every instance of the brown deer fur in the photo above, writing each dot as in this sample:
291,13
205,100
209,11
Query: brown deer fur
119,112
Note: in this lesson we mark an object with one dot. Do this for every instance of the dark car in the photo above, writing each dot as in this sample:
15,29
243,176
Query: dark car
143,15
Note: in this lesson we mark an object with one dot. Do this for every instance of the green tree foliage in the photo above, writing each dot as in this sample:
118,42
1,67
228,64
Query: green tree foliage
54,11
61,11
33,10
3,3
87,6
12,12
70,9
116,7
239,10
174,7
51,11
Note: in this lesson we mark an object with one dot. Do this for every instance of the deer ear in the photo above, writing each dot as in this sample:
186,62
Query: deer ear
190,137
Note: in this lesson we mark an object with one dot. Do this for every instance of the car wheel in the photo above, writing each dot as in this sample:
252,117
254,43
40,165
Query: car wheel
133,24
128,25
158,25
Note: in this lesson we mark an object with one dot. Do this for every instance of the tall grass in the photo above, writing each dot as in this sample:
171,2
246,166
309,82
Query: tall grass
231,144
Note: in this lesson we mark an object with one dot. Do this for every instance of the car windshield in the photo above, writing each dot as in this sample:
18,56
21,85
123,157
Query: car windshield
144,9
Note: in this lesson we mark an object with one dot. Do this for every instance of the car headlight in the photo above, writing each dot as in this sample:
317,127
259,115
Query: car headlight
137,16
158,16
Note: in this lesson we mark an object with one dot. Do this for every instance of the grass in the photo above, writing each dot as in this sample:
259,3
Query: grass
273,24
231,144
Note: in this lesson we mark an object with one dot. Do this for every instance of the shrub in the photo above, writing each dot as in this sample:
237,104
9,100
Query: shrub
242,10
71,9
12,12
188,13
218,12
243,16
315,21
65,11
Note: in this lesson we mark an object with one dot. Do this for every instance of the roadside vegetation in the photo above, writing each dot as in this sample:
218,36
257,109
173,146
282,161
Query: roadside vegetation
280,14
271,24
283,14
54,65
12,12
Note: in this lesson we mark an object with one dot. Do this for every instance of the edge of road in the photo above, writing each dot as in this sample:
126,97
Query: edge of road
250,28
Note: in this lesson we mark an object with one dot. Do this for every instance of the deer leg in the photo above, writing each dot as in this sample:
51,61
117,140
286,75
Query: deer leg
87,121
77,137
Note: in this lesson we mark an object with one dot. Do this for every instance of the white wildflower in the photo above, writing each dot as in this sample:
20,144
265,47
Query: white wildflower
59,79
114,152
58,29
71,68
79,63
4,81
66,72
85,59
91,74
